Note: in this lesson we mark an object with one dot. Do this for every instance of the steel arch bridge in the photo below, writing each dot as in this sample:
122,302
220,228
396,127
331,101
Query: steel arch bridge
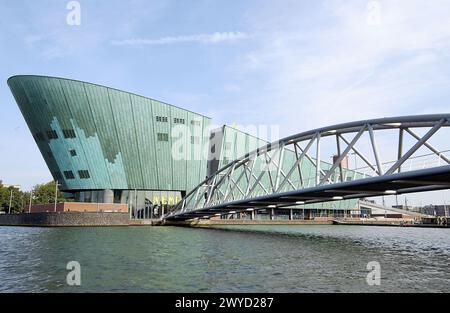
274,176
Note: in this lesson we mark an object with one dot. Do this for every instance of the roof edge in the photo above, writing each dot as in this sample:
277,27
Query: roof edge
104,86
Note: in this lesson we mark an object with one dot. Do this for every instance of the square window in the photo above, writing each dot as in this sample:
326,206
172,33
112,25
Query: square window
51,134
73,152
69,133
69,175
84,174
163,137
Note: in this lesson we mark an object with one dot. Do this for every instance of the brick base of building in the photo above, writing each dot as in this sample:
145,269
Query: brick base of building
65,219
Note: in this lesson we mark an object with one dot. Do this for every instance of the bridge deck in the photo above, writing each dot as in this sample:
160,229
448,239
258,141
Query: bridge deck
413,181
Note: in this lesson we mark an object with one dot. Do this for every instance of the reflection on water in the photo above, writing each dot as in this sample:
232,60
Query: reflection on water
292,258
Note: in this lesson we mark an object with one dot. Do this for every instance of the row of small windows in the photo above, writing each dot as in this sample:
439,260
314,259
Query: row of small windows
176,120
160,136
162,119
52,134
84,174
163,137
69,133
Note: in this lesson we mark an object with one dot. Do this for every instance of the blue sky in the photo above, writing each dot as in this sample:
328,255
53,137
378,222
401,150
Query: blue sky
244,62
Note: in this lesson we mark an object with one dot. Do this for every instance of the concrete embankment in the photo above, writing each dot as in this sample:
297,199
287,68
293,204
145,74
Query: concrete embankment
212,222
80,219
387,222
64,219
357,222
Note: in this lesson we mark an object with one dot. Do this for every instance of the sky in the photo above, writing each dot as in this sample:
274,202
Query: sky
295,64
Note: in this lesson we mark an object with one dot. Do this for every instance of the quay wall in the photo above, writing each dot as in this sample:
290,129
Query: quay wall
63,219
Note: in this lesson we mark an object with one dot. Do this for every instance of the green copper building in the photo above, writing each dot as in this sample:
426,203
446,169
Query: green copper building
106,145
102,144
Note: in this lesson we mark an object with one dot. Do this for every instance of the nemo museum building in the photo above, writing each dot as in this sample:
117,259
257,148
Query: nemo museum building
103,145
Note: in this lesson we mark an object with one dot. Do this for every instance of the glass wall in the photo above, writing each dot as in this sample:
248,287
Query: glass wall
142,203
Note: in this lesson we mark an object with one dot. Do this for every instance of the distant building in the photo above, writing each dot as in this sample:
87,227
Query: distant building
436,210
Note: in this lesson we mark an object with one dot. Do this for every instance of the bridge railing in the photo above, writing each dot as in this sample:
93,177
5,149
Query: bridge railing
420,162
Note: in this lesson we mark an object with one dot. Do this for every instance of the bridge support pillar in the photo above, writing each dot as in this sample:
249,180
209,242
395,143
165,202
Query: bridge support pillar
272,214
291,214
252,215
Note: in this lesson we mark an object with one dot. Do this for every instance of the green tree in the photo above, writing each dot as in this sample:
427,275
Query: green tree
45,193
42,194
17,199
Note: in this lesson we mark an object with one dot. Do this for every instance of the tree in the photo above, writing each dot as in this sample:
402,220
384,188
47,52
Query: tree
42,194
45,193
16,200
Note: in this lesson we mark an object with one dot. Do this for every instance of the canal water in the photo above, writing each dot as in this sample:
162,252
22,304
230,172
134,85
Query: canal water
228,259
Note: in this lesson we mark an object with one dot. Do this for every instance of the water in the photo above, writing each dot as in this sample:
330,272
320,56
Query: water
228,259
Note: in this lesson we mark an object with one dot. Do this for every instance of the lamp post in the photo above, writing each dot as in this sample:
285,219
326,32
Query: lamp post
56,193
11,188
31,198
10,200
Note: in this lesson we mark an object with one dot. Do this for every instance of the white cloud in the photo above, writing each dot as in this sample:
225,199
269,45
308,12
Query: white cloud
343,68
217,37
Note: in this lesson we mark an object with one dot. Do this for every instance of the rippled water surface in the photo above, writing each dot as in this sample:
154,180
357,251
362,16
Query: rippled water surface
227,259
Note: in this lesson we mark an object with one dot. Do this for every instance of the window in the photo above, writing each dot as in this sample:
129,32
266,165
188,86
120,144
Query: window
69,133
163,137
69,175
195,140
57,175
162,119
195,123
177,120
84,174
73,152
51,134
40,136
